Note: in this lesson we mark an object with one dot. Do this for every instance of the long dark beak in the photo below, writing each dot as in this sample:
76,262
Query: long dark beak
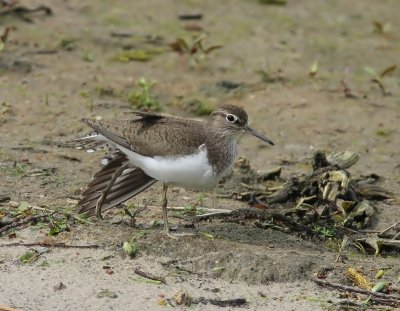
257,134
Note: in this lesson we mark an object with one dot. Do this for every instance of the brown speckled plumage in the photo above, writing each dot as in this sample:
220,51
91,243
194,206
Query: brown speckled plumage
153,134
156,135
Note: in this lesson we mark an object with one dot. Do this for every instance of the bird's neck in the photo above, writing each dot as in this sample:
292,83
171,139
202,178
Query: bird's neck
221,150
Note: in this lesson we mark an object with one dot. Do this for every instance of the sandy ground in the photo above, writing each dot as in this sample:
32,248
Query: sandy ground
47,85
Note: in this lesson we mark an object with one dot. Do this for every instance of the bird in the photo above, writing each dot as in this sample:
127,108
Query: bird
153,147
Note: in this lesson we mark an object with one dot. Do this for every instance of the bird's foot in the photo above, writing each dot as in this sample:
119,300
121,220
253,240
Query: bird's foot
170,235
177,235
99,204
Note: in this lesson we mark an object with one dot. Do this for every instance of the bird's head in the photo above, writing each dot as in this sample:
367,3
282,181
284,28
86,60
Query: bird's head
231,120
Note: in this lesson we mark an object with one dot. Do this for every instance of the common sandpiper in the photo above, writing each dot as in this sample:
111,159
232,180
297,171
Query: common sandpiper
154,147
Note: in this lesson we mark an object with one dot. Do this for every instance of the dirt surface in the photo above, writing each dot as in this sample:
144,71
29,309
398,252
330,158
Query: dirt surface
64,66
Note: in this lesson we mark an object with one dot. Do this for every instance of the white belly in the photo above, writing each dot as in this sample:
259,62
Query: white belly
192,171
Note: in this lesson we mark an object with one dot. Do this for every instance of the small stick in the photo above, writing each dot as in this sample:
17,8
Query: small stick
213,214
343,245
139,210
205,209
386,242
366,231
38,208
136,213
355,231
23,222
60,245
182,208
224,196
150,276
122,34
389,228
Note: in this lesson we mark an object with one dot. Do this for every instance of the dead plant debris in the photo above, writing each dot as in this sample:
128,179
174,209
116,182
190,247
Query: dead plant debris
194,50
55,219
328,202
150,276
372,296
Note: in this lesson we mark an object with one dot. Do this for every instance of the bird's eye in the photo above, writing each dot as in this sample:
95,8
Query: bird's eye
231,118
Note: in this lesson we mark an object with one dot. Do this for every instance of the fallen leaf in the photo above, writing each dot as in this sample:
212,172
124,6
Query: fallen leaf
313,70
388,71
129,248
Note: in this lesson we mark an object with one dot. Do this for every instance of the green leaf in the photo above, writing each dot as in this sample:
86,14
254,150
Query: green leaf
379,287
371,71
375,243
141,280
57,227
313,69
28,257
129,248
379,274
207,235
23,206
128,213
88,57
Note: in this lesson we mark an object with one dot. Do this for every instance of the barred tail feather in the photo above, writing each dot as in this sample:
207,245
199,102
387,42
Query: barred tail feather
131,182
91,142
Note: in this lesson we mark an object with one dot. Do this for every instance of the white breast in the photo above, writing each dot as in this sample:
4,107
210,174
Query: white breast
192,171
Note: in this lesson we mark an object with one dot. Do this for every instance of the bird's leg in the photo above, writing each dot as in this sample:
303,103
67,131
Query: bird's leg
165,217
118,172
164,208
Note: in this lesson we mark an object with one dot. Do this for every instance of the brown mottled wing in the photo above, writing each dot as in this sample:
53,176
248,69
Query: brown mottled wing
153,134
131,182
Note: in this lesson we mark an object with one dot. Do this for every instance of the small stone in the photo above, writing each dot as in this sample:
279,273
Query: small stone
59,286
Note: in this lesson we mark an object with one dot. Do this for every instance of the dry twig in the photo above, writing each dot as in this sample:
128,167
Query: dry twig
46,244
389,228
205,209
257,214
150,276
213,215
